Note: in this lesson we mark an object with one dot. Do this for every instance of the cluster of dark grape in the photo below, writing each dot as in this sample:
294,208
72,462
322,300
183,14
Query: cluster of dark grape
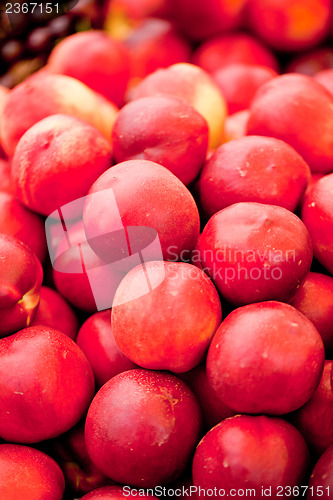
26,39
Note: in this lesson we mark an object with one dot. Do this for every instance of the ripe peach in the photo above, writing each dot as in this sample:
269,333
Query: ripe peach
80,276
45,95
265,358
142,428
314,299
317,215
56,161
311,62
71,453
315,418
97,60
261,169
298,110
171,326
236,125
233,48
6,183
21,277
292,25
239,83
200,20
30,474
248,452
18,221
46,385
255,252
96,340
146,194
194,86
322,475
154,44
214,410
53,311
170,132
325,78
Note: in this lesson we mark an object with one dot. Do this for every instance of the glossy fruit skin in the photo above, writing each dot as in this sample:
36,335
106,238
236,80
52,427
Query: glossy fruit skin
97,60
317,215
43,95
314,299
265,358
80,473
50,158
193,85
40,395
314,419
16,220
96,339
233,48
29,473
255,252
146,194
251,452
322,474
142,428
55,312
21,277
170,326
239,83
170,132
259,169
304,123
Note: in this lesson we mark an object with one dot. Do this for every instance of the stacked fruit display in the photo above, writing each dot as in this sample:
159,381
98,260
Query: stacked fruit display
166,251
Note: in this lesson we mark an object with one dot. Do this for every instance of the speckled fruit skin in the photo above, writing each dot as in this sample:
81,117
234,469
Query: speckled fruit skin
314,419
195,86
259,169
96,340
251,452
30,474
233,48
322,475
298,110
170,132
44,95
56,161
55,312
21,277
111,493
171,326
16,220
265,358
96,59
314,299
239,83
146,194
317,215
290,26
255,252
142,428
46,385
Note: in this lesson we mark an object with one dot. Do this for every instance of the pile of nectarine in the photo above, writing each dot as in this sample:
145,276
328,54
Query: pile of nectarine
166,254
